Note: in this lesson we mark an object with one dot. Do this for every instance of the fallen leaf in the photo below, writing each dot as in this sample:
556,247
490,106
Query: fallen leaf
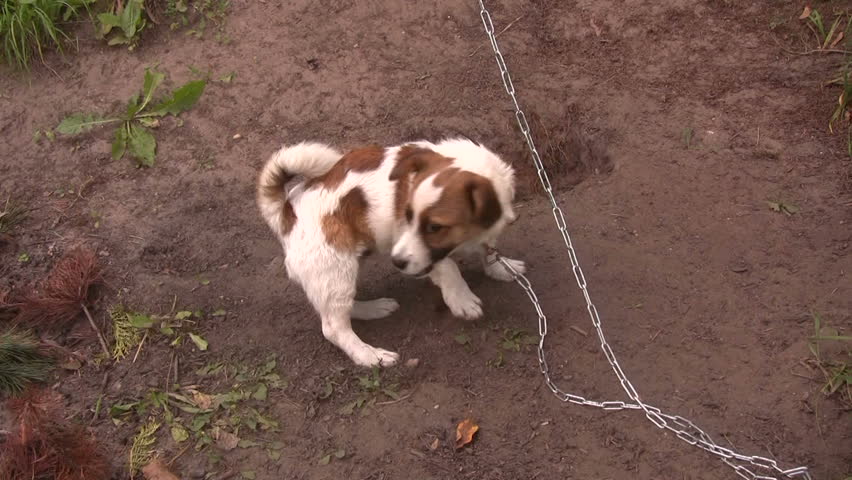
465,431
435,444
837,39
325,460
805,13
71,364
260,392
183,315
225,440
247,443
198,341
339,453
203,400
179,434
155,470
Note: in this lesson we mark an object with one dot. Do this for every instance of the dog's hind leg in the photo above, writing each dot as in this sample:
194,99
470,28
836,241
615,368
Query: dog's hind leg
374,309
332,294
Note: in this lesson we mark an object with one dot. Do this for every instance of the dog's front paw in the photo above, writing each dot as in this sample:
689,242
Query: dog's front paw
463,303
375,357
498,271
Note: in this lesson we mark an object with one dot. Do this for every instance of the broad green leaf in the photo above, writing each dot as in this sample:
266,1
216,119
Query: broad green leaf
260,392
133,107
119,39
81,122
325,460
108,21
168,331
130,17
140,321
179,434
142,145
149,86
183,315
181,100
198,341
119,144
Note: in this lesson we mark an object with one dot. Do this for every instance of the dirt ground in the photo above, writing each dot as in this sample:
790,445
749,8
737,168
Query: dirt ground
668,127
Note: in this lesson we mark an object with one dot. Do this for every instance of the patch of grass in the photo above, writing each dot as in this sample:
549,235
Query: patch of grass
826,37
21,361
125,336
842,117
11,215
371,386
30,27
134,135
836,370
514,339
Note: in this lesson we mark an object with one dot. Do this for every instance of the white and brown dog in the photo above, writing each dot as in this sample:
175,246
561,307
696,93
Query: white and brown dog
419,202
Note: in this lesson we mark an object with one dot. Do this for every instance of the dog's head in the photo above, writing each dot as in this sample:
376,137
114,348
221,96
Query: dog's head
440,206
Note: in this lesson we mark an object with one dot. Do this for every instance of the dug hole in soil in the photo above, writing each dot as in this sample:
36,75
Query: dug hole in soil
666,128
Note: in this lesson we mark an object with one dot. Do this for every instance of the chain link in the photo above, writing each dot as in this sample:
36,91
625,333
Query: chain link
683,428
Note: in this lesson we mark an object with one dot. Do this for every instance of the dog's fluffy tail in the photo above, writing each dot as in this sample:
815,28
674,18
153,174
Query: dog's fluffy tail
308,160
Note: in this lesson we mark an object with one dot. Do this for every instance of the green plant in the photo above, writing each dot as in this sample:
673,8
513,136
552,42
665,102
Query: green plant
11,215
843,113
29,27
142,448
837,373
825,38
198,16
514,339
21,361
134,135
124,23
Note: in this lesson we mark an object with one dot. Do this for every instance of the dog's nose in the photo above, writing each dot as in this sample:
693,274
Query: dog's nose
399,263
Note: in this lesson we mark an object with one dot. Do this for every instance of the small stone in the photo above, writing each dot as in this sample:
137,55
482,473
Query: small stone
237,136
412,362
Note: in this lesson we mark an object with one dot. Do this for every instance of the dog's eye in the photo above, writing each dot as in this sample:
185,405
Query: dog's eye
409,214
434,228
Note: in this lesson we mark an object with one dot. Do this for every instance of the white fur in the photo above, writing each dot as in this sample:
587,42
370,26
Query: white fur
328,275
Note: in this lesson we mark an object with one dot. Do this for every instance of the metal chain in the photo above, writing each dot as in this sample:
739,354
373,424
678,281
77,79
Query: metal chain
683,428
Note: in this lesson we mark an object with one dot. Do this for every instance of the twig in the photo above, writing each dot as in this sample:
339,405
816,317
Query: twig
100,398
177,370
169,371
174,303
579,330
169,464
96,329
139,348
400,399
500,33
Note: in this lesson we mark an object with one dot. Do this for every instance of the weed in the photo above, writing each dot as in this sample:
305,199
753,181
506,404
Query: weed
11,215
338,454
514,339
142,448
29,27
837,373
133,134
125,336
371,386
24,257
843,112
198,16
825,38
124,23
783,207
21,361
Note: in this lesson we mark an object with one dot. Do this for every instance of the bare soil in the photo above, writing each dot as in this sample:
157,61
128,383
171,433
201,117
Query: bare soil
667,126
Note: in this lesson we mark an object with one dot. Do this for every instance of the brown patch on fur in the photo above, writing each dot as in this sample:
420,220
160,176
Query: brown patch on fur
360,160
468,205
419,162
347,228
273,191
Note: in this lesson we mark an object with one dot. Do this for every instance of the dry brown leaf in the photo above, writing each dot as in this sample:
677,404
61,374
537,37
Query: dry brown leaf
225,440
435,444
465,431
155,470
805,13
837,39
202,400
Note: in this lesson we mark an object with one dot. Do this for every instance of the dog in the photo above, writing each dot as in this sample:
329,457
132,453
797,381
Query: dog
419,202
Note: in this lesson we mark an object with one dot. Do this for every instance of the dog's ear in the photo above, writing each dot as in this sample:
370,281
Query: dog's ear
410,159
483,201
